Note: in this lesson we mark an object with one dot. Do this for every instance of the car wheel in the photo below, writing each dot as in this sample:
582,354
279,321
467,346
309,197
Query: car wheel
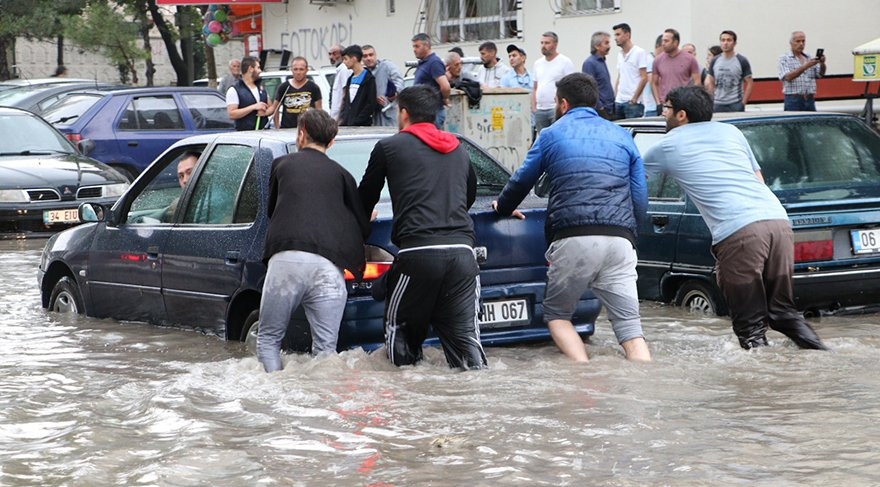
65,297
697,297
250,330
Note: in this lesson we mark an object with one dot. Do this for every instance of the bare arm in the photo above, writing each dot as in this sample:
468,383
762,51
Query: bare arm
760,176
444,88
235,112
643,74
533,97
655,87
696,79
800,70
747,89
710,84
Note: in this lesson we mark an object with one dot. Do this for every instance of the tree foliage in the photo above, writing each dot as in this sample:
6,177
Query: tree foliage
32,19
103,27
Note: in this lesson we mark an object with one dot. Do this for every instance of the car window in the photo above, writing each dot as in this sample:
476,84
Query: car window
271,84
816,159
249,201
353,155
151,113
44,104
646,140
69,108
157,202
208,111
220,185
23,133
491,178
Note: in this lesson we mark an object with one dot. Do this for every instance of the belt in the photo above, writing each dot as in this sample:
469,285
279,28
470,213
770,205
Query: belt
800,95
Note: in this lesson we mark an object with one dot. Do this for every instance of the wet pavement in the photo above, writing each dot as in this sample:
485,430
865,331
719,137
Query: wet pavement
86,402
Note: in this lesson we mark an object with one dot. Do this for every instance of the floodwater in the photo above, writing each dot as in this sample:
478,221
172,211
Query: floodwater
87,402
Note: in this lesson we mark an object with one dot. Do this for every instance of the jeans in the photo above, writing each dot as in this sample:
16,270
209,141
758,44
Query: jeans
296,278
730,107
544,119
629,110
652,113
798,103
440,119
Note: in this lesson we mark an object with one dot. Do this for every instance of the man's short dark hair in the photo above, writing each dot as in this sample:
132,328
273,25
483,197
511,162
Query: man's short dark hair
675,36
728,32
579,89
421,37
694,100
715,50
319,126
299,58
659,41
247,63
190,153
367,46
354,51
623,26
489,46
421,102
457,50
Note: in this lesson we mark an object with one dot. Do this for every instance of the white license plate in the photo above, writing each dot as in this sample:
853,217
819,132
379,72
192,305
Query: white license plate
504,311
865,241
60,216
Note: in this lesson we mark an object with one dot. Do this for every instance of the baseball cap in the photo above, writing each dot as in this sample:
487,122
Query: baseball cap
514,47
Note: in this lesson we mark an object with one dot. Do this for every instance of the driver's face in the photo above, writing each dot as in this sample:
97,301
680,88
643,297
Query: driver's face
184,170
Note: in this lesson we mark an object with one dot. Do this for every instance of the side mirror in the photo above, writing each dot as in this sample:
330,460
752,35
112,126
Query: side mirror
542,187
91,212
86,146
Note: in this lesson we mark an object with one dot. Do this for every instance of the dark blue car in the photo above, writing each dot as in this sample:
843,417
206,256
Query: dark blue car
192,257
131,127
825,170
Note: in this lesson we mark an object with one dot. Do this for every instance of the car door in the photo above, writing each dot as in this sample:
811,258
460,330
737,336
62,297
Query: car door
215,236
147,126
658,232
125,266
208,111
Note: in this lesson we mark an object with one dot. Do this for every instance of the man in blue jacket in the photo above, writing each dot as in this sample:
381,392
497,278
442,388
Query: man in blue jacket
597,194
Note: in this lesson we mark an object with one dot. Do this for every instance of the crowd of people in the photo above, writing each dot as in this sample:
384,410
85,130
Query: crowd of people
595,173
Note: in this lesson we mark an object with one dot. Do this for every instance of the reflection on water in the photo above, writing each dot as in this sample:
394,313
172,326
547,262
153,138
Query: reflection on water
97,402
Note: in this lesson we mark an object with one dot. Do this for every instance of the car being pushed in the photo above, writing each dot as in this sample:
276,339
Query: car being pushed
825,170
192,256
44,178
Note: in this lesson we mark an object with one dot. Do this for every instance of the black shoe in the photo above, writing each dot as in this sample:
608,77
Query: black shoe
753,342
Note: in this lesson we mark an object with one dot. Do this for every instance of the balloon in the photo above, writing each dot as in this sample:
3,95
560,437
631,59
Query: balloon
213,8
227,27
220,16
214,39
215,26
209,16
206,30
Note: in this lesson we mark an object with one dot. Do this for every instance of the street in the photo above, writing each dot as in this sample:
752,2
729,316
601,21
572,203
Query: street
100,402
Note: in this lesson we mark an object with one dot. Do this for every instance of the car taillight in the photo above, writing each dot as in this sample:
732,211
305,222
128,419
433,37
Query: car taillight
378,262
813,250
73,137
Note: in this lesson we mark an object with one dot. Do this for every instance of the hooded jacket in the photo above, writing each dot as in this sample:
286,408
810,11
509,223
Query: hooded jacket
359,112
432,186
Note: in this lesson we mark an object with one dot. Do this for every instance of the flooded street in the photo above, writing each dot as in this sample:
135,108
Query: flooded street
87,402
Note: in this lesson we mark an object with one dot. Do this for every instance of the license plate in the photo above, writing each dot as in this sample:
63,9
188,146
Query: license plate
504,311
60,216
865,241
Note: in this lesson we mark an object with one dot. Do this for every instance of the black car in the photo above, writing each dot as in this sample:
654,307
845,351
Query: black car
37,98
192,256
43,177
825,170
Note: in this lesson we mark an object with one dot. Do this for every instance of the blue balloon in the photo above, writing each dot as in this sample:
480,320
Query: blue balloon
213,7
206,30
209,16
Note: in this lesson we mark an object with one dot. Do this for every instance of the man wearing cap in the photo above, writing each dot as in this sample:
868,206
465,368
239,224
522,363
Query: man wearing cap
519,76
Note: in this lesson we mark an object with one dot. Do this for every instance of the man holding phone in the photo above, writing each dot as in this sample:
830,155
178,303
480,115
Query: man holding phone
799,74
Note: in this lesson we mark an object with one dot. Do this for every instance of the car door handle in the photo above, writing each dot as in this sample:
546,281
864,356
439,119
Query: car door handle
153,252
232,257
132,143
659,220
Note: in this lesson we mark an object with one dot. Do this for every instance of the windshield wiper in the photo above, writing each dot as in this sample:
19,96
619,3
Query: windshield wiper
64,119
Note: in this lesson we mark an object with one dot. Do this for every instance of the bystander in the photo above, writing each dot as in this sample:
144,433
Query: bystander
799,73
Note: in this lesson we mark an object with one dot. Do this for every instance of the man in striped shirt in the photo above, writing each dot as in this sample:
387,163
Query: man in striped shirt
798,73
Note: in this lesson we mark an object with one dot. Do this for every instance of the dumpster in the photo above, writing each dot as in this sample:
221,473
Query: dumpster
500,123
867,58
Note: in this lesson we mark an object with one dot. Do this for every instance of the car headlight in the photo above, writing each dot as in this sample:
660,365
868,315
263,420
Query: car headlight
13,196
114,189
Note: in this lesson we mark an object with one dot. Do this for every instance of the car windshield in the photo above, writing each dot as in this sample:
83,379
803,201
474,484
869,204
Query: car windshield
817,159
69,108
10,98
25,134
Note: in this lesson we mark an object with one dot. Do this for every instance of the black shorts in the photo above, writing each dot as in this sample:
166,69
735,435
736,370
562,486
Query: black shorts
437,287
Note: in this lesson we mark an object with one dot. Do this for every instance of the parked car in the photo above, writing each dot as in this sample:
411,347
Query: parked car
37,98
130,127
15,83
200,266
43,178
824,168
323,77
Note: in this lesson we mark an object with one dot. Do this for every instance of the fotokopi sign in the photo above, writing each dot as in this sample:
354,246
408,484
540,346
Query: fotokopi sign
867,61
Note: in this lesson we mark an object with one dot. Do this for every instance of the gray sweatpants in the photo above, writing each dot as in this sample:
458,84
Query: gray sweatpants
296,278
607,266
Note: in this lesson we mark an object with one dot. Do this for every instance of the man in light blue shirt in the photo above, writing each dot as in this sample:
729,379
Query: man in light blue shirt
519,76
752,239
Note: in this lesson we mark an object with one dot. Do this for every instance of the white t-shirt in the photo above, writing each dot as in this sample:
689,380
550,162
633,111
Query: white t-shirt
491,77
336,96
628,67
547,73
232,95
647,94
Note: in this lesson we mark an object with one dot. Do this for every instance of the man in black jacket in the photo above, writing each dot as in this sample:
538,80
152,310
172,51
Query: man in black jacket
435,278
359,95
317,228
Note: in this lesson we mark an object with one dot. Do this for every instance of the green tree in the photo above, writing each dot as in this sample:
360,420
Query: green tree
33,19
104,28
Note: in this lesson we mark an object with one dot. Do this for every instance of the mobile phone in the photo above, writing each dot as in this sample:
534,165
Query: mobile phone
819,53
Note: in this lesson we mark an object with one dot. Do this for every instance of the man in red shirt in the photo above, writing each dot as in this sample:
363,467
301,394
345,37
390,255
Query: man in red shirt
673,67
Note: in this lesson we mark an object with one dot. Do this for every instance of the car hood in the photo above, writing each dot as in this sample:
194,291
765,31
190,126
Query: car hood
54,171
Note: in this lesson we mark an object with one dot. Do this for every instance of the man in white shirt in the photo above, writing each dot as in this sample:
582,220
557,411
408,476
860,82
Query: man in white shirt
342,75
489,74
632,74
548,70
247,103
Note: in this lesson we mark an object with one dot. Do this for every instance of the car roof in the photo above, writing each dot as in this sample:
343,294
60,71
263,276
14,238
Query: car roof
286,136
734,117
44,81
14,111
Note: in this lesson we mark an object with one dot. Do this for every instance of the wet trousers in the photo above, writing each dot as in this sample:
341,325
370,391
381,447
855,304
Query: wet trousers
754,268
439,287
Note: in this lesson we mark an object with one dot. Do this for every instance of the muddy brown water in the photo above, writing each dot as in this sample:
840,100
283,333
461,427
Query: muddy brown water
86,402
